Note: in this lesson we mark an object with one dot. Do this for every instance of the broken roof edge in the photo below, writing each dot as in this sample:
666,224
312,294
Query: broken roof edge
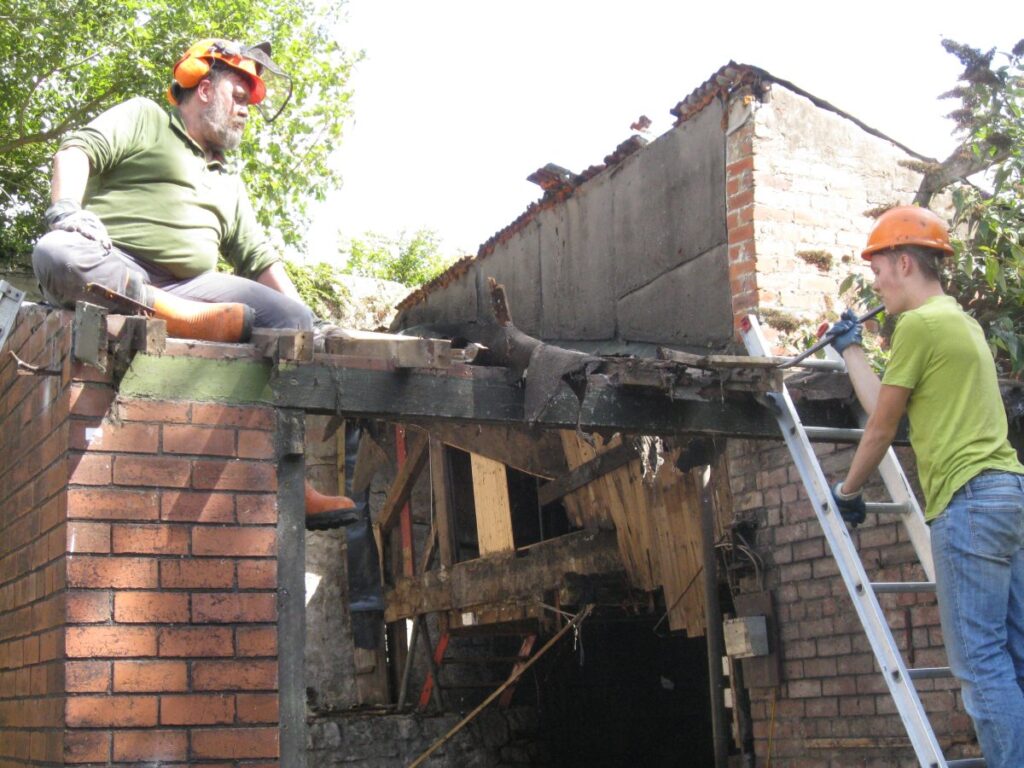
721,85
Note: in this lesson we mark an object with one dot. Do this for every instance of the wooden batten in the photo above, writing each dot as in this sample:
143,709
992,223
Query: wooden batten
493,511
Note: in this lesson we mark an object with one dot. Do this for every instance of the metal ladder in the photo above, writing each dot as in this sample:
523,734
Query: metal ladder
863,592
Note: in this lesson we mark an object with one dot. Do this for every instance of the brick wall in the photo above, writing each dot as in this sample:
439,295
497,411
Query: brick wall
157,530
832,707
33,473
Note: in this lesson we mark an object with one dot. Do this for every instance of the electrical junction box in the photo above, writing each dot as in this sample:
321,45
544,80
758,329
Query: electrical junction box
746,637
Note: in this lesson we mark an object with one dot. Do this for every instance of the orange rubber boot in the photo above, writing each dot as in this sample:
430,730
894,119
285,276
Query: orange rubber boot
324,512
205,321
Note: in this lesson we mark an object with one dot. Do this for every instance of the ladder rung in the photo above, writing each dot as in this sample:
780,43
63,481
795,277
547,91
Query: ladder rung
834,434
929,673
970,762
887,508
887,587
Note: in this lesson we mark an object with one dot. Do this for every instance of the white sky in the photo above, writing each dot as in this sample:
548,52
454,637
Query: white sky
457,101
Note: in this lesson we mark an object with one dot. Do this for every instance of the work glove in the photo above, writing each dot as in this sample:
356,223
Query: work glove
846,332
851,505
67,215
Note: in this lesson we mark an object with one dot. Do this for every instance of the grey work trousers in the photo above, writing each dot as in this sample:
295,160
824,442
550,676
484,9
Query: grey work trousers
64,262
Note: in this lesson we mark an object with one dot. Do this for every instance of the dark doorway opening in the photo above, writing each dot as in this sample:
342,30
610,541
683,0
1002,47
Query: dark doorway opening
637,699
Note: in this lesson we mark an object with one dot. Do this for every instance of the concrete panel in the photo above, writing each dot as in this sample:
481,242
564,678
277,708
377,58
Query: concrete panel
516,265
577,265
669,201
689,306
454,303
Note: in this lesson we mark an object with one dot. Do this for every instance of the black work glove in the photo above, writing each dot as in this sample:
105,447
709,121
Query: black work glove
67,214
846,332
851,505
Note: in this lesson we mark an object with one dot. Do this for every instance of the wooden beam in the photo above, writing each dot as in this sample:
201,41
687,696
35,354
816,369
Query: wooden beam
492,507
533,451
507,577
442,504
587,473
486,395
400,351
401,486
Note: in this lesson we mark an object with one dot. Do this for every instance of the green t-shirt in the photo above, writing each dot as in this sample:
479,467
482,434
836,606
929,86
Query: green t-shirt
957,419
160,199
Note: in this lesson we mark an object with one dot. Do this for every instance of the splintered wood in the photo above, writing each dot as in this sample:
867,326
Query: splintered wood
493,511
657,524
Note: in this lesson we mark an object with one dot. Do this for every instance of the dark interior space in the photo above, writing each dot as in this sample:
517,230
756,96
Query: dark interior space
624,697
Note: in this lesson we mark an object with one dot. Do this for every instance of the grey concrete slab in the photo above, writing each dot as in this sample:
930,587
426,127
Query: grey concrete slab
687,306
577,261
669,204
516,265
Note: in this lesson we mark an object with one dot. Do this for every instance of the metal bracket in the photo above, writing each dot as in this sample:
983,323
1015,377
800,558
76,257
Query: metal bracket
10,303
90,334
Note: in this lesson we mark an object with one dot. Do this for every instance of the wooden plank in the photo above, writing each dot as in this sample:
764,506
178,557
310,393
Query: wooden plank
506,578
401,486
491,503
442,505
401,351
586,473
533,451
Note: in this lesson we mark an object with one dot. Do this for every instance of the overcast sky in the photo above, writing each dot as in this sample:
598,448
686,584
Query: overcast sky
457,101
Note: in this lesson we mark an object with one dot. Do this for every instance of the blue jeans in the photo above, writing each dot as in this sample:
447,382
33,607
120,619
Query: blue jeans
978,546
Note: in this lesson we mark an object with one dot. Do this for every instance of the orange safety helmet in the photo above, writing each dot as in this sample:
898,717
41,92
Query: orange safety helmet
907,225
195,64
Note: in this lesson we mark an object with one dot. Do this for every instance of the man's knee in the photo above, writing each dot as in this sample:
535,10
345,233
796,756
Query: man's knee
54,258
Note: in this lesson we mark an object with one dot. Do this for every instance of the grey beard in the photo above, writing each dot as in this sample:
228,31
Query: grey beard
220,135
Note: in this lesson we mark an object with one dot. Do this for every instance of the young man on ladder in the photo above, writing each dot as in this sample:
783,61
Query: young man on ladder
941,373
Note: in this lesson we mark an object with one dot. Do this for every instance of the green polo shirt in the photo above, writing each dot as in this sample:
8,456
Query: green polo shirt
957,418
161,200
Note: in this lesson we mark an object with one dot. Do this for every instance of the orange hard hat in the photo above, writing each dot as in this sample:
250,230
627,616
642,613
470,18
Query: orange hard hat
907,225
195,64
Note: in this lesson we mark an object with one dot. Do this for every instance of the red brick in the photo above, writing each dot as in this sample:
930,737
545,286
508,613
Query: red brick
197,709
151,539
256,445
199,441
197,507
233,416
257,574
235,743
99,642
196,641
233,607
150,607
150,676
88,469
234,476
108,436
106,711
257,708
87,677
150,746
98,504
160,411
118,572
257,509
152,471
84,607
256,641
237,542
86,746
196,574
90,400
234,675
87,537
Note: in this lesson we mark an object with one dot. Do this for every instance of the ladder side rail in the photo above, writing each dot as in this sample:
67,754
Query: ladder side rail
894,672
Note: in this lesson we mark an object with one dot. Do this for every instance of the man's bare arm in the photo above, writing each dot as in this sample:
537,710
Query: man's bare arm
70,175
866,383
275,277
890,405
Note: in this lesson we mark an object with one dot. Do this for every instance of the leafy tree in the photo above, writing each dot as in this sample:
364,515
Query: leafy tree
64,61
322,288
409,261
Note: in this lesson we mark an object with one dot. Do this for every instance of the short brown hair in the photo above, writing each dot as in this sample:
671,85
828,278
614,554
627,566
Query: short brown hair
928,260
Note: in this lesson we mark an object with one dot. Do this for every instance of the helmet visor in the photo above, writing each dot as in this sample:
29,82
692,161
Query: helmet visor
278,84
